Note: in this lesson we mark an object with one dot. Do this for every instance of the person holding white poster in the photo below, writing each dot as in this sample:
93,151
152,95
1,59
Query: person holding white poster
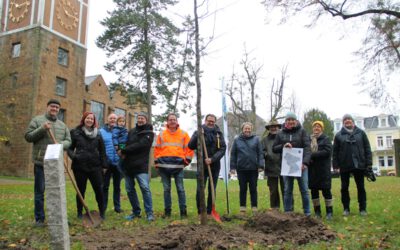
293,143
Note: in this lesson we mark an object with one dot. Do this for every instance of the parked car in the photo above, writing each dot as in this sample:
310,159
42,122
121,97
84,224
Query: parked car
391,173
376,170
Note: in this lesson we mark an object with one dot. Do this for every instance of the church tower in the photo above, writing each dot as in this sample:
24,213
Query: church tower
43,55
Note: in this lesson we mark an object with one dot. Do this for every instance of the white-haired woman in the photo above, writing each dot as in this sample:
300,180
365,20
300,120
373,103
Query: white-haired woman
247,159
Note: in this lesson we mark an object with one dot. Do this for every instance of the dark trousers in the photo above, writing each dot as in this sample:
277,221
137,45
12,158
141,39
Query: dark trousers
215,174
326,192
361,194
248,179
113,172
274,182
96,180
39,192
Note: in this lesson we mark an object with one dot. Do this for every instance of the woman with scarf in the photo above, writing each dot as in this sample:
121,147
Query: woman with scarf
216,148
319,173
247,159
88,159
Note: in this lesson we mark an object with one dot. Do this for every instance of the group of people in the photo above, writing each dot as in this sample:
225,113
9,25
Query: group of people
349,155
99,154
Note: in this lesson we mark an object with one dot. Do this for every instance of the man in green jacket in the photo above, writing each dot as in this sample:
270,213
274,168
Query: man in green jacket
38,134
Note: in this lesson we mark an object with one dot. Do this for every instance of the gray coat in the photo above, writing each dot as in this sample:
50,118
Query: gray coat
246,154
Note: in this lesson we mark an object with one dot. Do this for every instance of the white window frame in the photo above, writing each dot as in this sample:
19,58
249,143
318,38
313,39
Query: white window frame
65,57
390,158
64,81
379,141
16,50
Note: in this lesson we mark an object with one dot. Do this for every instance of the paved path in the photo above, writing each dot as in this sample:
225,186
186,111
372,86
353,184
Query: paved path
6,181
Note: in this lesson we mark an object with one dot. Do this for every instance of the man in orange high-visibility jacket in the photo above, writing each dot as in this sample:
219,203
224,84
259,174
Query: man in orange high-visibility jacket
171,155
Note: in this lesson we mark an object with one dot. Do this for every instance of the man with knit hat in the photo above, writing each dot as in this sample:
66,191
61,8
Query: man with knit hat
272,164
352,155
136,166
319,171
38,134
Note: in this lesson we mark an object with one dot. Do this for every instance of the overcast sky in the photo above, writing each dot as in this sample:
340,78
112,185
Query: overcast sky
323,72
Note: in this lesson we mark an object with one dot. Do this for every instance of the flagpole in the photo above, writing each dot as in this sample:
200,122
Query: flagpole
225,127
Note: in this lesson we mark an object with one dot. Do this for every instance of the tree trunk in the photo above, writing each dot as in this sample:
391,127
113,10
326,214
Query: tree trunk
200,165
148,70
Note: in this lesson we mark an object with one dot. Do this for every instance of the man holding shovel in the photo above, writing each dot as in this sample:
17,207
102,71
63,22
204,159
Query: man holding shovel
37,133
216,147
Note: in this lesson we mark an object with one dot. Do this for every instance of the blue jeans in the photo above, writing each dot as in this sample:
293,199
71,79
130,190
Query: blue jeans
166,175
39,192
113,172
288,192
143,181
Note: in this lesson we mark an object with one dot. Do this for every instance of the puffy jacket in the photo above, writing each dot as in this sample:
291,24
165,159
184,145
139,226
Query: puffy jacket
319,171
215,145
40,137
171,150
246,153
87,154
272,160
120,136
296,136
112,156
137,150
351,150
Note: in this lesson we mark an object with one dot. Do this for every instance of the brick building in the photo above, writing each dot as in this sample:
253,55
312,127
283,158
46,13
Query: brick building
43,56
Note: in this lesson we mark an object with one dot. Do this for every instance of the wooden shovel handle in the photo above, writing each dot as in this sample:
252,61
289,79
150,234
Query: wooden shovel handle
203,142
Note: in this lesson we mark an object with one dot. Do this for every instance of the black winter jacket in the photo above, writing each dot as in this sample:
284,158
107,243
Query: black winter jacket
351,150
137,150
272,160
246,153
319,171
296,136
216,146
87,154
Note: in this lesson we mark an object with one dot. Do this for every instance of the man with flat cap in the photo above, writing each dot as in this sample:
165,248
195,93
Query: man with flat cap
38,134
272,164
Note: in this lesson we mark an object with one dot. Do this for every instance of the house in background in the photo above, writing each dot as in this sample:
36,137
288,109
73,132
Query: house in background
381,131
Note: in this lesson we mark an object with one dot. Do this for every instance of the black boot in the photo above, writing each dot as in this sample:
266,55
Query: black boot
167,213
183,213
329,213
317,210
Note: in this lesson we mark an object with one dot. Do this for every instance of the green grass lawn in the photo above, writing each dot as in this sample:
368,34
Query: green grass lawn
380,229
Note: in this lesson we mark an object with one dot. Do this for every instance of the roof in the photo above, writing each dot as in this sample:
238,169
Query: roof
90,79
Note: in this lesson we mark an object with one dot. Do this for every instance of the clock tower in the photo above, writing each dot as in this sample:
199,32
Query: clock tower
43,56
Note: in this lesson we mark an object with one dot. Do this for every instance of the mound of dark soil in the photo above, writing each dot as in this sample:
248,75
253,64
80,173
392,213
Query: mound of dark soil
267,228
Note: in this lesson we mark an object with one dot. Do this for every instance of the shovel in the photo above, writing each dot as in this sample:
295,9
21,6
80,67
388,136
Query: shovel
91,218
214,212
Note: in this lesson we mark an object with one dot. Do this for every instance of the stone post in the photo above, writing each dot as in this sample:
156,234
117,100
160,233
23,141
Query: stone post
55,197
